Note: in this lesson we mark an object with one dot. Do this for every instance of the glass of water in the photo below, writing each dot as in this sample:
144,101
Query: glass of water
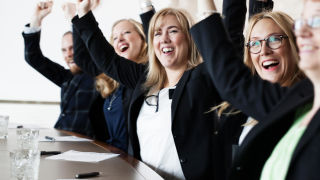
28,138
25,164
4,120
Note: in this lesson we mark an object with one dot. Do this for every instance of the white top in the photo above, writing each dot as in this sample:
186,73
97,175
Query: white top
157,147
246,130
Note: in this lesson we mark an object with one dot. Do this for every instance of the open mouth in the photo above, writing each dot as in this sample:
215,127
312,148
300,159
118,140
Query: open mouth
167,50
270,65
124,48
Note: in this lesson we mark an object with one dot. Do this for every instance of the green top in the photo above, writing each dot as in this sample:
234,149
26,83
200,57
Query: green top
276,167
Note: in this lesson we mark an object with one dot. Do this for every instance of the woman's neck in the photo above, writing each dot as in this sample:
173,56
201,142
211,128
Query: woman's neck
173,77
316,101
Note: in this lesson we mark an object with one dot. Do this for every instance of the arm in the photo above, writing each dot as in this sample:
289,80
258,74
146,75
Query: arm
257,6
81,55
146,15
103,54
232,79
33,55
234,12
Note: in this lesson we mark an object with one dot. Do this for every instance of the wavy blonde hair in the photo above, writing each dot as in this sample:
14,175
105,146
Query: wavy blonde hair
156,76
105,85
285,22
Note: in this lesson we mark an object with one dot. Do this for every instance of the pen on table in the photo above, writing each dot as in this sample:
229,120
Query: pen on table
50,138
50,152
86,175
19,126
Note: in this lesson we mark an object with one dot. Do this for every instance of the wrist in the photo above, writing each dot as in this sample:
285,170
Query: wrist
35,22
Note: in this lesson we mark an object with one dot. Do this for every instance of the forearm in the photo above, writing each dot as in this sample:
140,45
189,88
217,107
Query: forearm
234,12
34,57
82,57
145,19
104,56
257,6
231,77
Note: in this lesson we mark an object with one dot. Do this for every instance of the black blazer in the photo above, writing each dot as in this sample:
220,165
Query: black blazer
77,91
261,100
192,127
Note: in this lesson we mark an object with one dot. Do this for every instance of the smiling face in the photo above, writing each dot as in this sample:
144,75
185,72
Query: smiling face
308,40
170,43
127,42
67,52
271,64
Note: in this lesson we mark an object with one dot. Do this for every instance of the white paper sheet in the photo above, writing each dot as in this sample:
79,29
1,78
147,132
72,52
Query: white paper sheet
92,157
63,138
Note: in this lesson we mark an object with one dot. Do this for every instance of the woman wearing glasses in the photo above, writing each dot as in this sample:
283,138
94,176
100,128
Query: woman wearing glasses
271,52
169,125
286,145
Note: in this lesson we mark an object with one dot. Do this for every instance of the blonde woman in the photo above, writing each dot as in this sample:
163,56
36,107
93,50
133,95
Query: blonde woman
168,125
130,42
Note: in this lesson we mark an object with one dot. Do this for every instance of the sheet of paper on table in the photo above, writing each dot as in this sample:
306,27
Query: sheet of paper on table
92,157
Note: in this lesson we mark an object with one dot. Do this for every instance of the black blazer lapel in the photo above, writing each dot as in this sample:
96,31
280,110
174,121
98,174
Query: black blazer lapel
311,130
178,92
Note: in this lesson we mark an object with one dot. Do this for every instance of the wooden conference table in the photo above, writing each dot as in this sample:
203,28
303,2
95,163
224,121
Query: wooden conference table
123,167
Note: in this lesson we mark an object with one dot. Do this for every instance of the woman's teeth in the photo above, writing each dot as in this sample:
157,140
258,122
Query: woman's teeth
166,50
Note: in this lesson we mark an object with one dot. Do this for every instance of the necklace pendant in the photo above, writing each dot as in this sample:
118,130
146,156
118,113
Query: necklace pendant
109,108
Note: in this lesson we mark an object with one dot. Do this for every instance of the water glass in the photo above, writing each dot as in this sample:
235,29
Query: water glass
4,120
24,164
28,138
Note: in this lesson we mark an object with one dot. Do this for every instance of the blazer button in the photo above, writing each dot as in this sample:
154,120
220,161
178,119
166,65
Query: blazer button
174,136
183,160
63,114
238,168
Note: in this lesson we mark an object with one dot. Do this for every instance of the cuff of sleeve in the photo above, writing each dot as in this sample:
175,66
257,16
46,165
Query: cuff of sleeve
29,30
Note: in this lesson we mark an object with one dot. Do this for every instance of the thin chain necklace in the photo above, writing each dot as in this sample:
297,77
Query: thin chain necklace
114,97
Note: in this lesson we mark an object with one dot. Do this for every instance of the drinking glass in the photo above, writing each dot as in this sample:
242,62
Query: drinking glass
24,164
4,120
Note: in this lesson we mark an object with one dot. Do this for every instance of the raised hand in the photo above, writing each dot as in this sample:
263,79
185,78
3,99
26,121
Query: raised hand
69,10
83,7
42,10
145,5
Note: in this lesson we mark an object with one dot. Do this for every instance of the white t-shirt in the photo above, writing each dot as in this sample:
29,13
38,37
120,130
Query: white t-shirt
157,147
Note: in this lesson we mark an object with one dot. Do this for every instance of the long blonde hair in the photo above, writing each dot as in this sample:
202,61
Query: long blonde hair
285,22
105,84
156,76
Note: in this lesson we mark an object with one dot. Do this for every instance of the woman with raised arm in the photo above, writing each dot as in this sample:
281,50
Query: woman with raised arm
286,144
129,41
169,126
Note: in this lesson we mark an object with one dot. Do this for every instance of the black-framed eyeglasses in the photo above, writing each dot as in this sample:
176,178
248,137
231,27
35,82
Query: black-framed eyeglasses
273,42
313,23
153,100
